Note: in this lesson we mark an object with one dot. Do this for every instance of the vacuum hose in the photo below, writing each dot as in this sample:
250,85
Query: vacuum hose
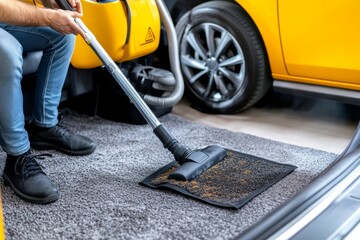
173,48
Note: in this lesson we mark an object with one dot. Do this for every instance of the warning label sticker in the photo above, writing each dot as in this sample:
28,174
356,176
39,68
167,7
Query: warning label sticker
150,37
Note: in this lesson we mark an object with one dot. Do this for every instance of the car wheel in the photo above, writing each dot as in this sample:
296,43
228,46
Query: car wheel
222,57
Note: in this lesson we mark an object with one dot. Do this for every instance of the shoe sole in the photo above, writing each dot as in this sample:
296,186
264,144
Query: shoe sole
47,146
27,198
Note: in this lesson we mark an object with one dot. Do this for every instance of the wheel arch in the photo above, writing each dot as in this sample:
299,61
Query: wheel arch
265,21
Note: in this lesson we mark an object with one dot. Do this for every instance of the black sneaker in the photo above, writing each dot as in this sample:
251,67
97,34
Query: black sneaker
59,138
29,182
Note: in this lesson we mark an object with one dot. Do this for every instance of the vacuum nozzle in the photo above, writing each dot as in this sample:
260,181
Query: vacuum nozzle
198,161
192,162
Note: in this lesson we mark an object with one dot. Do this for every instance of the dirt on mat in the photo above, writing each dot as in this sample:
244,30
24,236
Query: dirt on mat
233,179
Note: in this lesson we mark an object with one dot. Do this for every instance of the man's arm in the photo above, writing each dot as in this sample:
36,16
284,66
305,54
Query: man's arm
18,13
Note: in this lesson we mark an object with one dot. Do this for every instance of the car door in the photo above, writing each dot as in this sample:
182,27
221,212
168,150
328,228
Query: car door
321,41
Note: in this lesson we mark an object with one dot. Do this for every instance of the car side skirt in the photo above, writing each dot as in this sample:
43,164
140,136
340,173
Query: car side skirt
338,94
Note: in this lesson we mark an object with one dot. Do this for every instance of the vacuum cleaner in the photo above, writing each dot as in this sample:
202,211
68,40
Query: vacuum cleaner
192,162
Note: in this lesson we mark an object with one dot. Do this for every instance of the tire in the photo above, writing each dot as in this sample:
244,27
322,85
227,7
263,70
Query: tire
222,78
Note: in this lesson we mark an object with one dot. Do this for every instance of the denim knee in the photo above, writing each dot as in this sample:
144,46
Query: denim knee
11,57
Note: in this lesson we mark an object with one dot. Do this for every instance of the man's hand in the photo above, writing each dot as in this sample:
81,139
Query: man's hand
63,20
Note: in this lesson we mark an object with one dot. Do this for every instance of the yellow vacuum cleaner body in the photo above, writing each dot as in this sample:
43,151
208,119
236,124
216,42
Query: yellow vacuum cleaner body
127,30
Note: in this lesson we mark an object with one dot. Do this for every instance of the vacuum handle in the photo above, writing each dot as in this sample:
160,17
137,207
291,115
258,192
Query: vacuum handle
64,4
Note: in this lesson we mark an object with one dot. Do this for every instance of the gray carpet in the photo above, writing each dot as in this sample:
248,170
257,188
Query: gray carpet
101,198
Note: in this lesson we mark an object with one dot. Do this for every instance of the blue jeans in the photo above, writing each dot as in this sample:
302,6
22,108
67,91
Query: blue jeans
57,51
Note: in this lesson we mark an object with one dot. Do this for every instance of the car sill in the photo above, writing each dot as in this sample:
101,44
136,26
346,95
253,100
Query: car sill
332,206
344,95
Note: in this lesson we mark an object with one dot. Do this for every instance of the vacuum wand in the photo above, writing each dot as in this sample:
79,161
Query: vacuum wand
192,162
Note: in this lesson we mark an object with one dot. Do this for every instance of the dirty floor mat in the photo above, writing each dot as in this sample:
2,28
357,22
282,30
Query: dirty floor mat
231,183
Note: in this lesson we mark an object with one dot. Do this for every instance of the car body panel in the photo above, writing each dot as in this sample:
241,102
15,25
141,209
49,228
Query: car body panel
310,42
320,40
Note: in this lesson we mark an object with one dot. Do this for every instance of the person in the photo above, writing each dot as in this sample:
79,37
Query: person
25,28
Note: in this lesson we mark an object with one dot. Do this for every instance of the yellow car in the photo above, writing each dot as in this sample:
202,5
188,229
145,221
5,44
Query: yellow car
233,52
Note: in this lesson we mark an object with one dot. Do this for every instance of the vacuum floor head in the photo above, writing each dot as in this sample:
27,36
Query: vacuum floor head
197,162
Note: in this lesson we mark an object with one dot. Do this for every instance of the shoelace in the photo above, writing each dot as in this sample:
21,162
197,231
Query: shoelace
28,165
61,130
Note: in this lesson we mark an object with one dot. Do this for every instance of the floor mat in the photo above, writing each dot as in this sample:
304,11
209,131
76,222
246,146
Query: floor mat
231,183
